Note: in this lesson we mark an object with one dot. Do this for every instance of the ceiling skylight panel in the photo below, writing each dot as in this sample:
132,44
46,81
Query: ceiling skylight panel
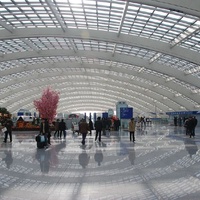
91,11
137,25
167,24
103,4
133,7
102,12
25,8
192,43
115,14
107,10
167,37
174,17
12,9
118,4
63,8
146,10
3,10
79,16
180,26
160,13
130,17
145,55
142,18
156,21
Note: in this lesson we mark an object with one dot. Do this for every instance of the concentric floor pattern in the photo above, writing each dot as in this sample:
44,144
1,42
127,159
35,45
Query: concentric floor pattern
163,163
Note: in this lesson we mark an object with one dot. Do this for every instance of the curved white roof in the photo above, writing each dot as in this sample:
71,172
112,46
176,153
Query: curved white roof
96,53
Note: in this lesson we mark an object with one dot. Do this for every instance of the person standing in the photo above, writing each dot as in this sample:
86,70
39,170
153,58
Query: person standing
91,126
109,121
186,123
189,126
45,130
62,128
104,126
98,127
132,129
83,129
117,124
8,124
56,128
194,124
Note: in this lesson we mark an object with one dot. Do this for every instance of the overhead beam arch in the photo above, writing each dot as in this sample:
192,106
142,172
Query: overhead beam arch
111,96
178,100
100,101
158,80
163,69
112,86
129,40
45,75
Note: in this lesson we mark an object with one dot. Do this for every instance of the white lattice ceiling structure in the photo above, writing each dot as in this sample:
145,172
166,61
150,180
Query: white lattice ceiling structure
95,53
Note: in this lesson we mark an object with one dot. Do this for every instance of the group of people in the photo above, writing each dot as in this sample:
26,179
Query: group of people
99,125
45,132
84,127
60,129
190,125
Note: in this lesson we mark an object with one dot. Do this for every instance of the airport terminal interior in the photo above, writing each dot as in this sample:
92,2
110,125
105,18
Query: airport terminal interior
92,54
162,164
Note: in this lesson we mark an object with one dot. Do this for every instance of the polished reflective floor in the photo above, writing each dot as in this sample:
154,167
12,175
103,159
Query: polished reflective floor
163,163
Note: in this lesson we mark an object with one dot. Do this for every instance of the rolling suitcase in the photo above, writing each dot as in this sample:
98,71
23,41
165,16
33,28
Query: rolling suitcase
41,141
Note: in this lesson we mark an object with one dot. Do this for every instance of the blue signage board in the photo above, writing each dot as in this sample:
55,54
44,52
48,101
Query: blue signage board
105,115
126,113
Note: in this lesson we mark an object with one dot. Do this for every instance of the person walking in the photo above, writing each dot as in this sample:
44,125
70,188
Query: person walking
8,124
104,126
194,124
189,126
62,128
91,126
98,127
83,129
56,133
132,129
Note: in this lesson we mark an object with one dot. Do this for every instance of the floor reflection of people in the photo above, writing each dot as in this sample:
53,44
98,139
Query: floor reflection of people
84,159
55,149
190,146
131,155
49,157
8,159
98,156
43,157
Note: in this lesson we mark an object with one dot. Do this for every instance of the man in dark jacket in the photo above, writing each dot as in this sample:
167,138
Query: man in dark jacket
98,127
62,128
83,129
91,126
194,122
8,124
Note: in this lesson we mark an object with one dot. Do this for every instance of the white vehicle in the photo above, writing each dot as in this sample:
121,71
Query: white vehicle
75,127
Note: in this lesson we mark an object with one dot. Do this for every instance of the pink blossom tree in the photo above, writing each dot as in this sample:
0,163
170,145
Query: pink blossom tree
47,104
